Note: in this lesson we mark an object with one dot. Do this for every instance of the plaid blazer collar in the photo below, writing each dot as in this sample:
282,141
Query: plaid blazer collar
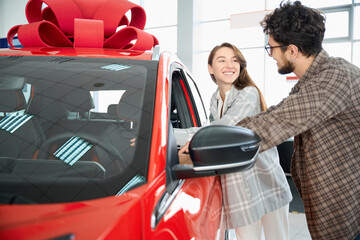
312,70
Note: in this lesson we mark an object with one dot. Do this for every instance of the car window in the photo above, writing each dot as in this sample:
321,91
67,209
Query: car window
187,109
199,104
69,122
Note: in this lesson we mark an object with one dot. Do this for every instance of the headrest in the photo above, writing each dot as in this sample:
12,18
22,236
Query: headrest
9,82
112,111
12,100
46,108
129,107
78,101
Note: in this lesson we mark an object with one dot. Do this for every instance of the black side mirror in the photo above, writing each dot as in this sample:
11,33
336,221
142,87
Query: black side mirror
217,150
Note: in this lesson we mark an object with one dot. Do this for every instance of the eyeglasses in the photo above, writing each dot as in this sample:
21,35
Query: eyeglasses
269,49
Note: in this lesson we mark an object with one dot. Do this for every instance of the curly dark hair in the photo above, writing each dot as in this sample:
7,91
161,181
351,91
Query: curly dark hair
294,23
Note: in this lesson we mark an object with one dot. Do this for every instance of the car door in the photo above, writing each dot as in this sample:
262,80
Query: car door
191,208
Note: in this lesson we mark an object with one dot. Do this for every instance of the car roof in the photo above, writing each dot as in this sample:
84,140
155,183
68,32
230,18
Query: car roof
81,52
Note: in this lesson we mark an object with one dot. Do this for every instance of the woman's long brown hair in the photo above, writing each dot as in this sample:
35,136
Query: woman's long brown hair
244,79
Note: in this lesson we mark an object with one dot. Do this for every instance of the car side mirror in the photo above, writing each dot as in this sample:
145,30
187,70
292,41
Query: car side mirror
217,150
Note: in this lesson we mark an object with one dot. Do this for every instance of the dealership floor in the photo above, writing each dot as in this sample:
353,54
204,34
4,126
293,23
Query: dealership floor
297,220
298,228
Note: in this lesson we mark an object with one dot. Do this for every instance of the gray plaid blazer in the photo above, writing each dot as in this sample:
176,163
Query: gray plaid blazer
248,195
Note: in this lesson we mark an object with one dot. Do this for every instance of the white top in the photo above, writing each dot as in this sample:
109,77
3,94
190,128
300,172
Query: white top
221,102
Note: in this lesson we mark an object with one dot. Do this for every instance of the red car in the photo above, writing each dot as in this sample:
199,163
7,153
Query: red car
87,147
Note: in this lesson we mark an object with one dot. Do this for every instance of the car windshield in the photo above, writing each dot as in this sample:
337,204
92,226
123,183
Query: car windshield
73,128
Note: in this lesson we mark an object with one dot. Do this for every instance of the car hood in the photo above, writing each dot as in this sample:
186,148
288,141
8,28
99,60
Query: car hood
107,217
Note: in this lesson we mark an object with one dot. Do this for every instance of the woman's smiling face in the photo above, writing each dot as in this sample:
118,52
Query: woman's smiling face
225,66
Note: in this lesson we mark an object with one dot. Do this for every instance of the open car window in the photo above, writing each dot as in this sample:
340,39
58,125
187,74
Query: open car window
187,109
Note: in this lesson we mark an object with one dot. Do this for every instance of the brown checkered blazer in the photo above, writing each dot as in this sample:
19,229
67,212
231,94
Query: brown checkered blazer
322,111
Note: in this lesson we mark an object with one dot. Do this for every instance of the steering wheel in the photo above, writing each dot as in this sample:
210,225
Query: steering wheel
110,150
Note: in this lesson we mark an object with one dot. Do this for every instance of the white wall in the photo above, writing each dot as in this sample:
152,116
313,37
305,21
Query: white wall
211,26
12,12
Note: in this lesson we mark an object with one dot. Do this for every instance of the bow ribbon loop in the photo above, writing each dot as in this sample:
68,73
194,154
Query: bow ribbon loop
66,23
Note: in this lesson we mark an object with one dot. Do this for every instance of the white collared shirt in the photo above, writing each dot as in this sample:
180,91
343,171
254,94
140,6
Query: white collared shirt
221,103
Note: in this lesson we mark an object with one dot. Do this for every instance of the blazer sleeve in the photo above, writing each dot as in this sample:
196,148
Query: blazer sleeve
244,103
318,99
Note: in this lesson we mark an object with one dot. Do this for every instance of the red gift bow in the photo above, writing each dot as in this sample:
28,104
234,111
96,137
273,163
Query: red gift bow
83,23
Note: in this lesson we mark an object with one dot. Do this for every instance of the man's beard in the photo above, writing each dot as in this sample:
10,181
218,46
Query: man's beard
288,68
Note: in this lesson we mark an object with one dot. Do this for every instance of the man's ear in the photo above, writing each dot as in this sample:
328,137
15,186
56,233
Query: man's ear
294,51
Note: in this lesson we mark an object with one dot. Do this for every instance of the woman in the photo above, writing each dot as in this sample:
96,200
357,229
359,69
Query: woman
257,199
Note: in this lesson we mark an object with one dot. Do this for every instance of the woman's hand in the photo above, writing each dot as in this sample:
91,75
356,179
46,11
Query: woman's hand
184,157
184,149
132,142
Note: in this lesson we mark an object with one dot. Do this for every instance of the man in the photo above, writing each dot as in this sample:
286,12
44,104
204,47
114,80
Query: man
322,111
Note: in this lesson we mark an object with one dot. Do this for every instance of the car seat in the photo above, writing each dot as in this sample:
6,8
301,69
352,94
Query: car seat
129,107
20,134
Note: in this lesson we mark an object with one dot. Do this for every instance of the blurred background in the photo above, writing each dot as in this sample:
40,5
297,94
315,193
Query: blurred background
191,28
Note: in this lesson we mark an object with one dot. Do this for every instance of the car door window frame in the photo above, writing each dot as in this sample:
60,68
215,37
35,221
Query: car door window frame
186,110
182,93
